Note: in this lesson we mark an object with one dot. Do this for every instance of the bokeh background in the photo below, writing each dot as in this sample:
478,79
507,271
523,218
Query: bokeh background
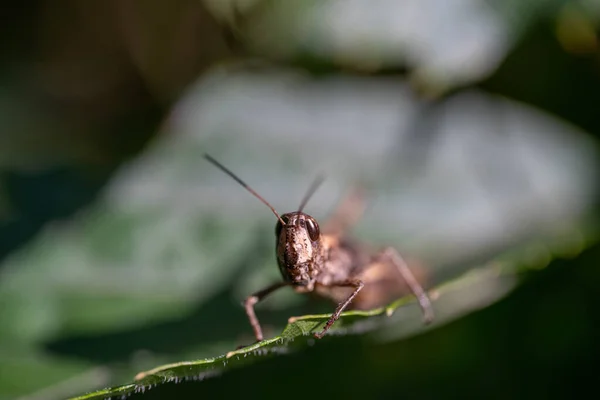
473,124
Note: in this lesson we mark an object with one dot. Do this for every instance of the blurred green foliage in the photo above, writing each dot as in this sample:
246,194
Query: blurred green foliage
473,124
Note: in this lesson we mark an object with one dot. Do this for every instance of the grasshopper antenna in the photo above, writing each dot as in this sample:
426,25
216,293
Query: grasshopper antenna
311,190
244,184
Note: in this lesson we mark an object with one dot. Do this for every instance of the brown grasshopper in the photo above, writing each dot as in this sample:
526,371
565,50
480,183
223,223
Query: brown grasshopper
329,264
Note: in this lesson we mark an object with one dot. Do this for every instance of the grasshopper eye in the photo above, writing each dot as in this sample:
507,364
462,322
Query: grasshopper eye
279,226
313,229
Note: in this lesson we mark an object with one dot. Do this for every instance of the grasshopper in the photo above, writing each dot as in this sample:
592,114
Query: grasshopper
330,264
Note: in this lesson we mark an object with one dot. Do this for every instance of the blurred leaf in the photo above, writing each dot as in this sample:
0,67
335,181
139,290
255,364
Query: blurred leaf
454,183
44,372
444,43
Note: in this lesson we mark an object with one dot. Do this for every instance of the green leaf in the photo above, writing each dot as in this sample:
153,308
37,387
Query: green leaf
495,278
